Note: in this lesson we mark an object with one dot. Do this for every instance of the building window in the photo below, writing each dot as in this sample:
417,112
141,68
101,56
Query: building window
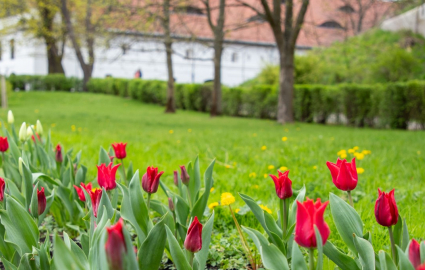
12,49
256,18
347,9
234,57
189,10
331,25
189,54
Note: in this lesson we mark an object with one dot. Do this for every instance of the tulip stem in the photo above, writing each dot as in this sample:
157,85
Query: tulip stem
188,195
244,243
149,201
393,250
191,255
123,170
311,259
283,217
350,199
3,162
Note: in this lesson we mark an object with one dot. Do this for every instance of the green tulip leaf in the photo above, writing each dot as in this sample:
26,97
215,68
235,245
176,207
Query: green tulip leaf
343,261
178,257
385,261
298,261
152,248
201,203
293,212
366,253
403,260
103,157
64,257
195,181
422,251
202,255
319,243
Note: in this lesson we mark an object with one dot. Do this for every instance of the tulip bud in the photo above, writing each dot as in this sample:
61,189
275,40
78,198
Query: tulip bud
23,132
10,118
119,149
20,164
170,204
41,201
115,246
4,144
150,180
106,176
193,242
39,128
415,253
80,191
344,174
58,154
386,212
310,213
176,178
95,196
283,185
184,175
2,187
30,131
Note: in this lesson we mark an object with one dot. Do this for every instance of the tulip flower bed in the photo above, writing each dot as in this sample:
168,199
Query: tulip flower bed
235,206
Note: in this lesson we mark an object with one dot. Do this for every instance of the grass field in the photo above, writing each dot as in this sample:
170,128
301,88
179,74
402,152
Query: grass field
246,151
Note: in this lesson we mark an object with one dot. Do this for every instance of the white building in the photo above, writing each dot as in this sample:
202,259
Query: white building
413,20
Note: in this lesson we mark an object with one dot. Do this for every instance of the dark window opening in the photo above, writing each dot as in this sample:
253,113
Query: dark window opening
12,49
189,10
189,54
331,25
347,9
256,18
234,57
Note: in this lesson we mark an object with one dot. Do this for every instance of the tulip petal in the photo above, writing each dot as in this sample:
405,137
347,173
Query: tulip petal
304,226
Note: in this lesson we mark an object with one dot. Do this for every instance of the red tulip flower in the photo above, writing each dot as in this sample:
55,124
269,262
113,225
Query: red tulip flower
33,138
421,267
193,242
58,154
310,213
95,196
171,204
115,245
150,180
184,175
344,174
415,253
2,187
386,212
80,191
106,176
283,185
41,197
119,149
4,145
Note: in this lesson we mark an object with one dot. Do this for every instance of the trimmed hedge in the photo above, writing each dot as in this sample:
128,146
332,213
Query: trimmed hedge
391,105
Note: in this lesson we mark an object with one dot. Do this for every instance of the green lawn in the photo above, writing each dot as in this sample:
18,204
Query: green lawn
88,121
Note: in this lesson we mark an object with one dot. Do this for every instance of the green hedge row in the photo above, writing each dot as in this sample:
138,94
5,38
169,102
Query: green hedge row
391,105
52,82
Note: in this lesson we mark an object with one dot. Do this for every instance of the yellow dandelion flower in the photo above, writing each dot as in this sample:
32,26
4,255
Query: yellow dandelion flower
189,130
171,131
212,205
212,189
227,166
284,139
256,186
359,156
265,208
315,167
237,210
356,148
265,175
263,147
342,152
227,198
343,156
283,168
270,167
351,151
73,128
367,152
253,175
360,170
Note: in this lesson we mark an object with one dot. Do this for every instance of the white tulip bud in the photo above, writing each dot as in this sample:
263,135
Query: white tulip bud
30,131
21,170
23,132
10,118
39,128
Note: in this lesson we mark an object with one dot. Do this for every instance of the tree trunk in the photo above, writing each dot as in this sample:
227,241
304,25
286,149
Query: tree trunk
170,106
285,112
87,73
54,60
216,94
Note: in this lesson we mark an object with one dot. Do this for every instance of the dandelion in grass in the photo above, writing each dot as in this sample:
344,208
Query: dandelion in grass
227,166
73,127
359,156
270,167
255,186
212,189
171,131
263,147
360,170
265,208
356,148
315,167
284,139
212,205
237,210
283,168
252,175
351,151
189,130
227,198
265,175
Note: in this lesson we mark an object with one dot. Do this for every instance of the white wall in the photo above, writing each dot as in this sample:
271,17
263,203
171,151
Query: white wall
413,20
145,54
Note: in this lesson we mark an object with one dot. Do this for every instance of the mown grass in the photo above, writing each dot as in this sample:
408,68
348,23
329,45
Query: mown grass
88,121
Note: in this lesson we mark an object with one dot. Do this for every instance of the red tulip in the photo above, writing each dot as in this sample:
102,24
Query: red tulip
283,185
150,180
344,174
310,213
176,178
171,204
386,212
4,145
119,149
41,201
95,196
106,176
415,253
421,267
58,154
193,242
184,175
2,186
33,138
80,191
115,245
